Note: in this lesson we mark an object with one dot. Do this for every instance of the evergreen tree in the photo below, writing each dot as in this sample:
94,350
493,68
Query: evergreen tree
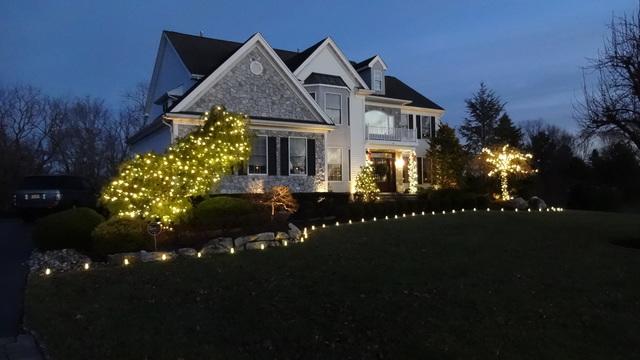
483,110
507,133
448,158
366,187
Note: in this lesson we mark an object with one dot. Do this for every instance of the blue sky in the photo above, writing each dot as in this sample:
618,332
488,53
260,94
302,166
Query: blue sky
529,52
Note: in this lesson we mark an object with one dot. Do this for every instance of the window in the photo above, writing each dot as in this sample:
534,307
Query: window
425,127
333,107
334,164
258,158
377,80
297,156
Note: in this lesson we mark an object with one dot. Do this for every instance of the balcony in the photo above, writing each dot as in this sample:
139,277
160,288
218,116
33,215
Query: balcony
390,134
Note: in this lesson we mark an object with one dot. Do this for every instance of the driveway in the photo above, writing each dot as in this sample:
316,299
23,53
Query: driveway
15,247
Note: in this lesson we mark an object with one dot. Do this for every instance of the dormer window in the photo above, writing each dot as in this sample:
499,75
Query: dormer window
377,80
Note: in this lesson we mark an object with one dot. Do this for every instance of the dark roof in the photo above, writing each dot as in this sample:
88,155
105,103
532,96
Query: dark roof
326,79
362,63
202,55
396,89
146,130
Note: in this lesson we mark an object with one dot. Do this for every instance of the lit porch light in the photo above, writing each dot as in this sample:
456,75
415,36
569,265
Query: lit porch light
399,163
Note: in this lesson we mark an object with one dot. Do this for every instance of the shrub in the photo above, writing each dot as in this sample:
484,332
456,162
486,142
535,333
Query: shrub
120,235
66,229
223,212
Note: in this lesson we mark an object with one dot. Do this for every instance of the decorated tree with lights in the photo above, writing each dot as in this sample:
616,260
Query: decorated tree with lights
505,162
366,187
160,187
412,168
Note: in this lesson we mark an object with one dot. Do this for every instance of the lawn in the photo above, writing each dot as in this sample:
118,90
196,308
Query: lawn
469,285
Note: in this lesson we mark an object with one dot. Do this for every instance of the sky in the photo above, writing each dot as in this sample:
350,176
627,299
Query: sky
531,53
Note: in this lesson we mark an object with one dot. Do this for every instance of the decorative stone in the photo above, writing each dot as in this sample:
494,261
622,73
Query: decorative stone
518,203
225,242
265,236
118,259
145,256
241,241
536,203
187,252
294,232
282,235
213,250
255,245
57,260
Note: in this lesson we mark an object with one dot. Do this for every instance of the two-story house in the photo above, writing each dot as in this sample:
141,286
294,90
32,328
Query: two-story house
315,116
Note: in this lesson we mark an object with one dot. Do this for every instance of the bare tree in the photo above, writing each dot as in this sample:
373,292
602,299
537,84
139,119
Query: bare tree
612,107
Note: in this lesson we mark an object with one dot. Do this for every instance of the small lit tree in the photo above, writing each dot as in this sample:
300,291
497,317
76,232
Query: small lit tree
153,186
366,187
505,162
280,199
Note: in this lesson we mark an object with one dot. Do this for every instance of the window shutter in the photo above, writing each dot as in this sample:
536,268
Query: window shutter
271,161
284,156
418,127
410,122
311,157
242,168
433,127
420,179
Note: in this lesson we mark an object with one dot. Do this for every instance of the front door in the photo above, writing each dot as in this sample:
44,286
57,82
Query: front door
384,170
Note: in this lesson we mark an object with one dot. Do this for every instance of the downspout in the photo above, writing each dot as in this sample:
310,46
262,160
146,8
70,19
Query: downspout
170,125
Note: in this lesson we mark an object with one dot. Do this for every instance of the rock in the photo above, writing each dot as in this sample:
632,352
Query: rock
187,252
274,243
145,256
294,232
265,236
518,203
256,245
118,259
155,256
535,203
241,241
224,242
282,236
57,260
214,249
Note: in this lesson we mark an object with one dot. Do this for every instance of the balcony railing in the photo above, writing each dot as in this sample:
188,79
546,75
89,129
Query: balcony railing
390,134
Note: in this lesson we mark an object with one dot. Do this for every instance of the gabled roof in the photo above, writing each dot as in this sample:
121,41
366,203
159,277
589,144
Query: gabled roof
363,63
396,89
202,55
325,79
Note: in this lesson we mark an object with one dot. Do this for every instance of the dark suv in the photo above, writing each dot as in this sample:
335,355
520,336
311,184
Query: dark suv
42,194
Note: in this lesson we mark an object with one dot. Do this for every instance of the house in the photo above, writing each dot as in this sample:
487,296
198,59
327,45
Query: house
315,116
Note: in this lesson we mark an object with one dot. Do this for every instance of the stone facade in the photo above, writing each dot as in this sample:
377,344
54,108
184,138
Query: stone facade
267,94
296,183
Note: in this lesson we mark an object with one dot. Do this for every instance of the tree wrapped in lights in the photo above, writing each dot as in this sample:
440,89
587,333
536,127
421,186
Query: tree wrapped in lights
412,167
505,162
366,187
153,186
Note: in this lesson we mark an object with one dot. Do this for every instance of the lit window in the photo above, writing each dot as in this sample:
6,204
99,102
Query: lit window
377,80
258,159
334,164
333,107
297,156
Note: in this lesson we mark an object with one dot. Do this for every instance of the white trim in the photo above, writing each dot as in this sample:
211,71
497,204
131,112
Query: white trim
341,163
328,85
325,105
370,64
266,158
345,62
306,155
256,39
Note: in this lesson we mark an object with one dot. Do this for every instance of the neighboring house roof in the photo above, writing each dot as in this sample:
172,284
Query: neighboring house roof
146,130
325,79
396,89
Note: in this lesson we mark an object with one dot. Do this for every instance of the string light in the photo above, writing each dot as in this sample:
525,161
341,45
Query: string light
160,186
505,162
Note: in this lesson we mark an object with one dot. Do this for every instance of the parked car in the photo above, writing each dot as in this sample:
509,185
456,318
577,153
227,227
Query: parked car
44,194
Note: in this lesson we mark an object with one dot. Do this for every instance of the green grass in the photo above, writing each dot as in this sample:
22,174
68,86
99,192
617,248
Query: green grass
471,285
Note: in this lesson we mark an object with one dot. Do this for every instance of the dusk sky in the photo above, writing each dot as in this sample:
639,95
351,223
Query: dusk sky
529,52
